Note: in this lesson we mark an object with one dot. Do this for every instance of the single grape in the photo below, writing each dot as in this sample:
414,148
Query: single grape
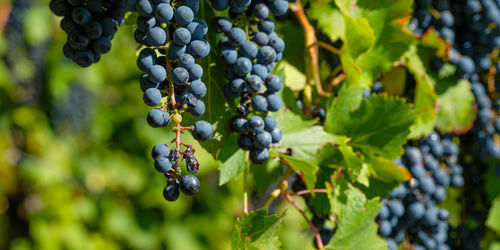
190,185
171,192
259,103
163,164
160,150
152,97
181,36
255,124
197,88
164,12
183,15
202,130
259,156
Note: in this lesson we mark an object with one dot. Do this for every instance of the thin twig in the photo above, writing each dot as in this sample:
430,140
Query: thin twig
336,81
328,47
245,183
311,45
311,225
302,192
278,190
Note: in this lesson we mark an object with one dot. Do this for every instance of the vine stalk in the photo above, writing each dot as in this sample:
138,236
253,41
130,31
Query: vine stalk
245,182
312,52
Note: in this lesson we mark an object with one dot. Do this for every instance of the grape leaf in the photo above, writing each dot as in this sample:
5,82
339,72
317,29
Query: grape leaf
394,81
232,160
359,36
330,20
456,109
425,96
383,28
348,100
493,220
257,231
303,137
356,220
378,127
387,170
292,77
307,168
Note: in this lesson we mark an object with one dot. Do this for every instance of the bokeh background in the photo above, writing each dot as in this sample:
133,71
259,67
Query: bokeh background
75,165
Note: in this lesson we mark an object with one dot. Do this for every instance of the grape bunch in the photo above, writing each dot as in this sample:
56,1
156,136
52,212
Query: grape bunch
485,125
249,57
90,25
472,28
172,45
411,210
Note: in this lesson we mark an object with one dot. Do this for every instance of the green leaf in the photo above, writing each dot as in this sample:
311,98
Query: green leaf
307,168
330,20
359,36
356,221
257,231
292,77
456,109
303,137
394,81
386,21
493,220
387,170
232,160
425,96
348,100
379,126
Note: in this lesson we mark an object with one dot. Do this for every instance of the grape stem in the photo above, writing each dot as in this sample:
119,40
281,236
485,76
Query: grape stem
290,199
278,190
312,50
302,192
328,47
245,182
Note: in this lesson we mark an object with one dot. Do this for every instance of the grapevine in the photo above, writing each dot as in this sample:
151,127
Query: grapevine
267,124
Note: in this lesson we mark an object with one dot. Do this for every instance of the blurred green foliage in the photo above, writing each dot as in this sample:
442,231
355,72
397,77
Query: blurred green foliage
77,174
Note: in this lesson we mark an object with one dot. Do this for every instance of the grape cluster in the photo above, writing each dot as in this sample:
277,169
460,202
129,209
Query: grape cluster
472,28
166,162
316,110
412,208
172,42
249,57
486,125
90,25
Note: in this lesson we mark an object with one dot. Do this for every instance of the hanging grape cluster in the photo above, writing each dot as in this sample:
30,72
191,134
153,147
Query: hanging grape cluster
412,210
90,25
472,27
249,56
172,41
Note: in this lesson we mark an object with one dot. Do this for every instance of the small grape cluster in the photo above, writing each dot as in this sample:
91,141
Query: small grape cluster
166,162
486,125
316,110
412,207
90,25
249,57
172,41
259,8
